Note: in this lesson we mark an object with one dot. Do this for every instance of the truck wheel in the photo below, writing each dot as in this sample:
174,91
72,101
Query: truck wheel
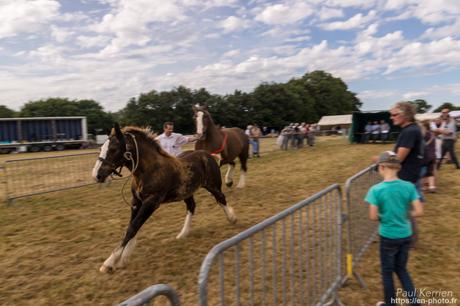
47,148
34,149
60,147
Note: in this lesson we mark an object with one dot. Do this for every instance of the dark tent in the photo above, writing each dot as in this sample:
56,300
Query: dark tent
360,119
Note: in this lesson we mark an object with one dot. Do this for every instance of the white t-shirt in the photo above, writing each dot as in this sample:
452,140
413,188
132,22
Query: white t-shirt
172,143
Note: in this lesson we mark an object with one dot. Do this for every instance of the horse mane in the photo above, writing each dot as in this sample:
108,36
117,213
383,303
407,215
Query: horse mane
148,137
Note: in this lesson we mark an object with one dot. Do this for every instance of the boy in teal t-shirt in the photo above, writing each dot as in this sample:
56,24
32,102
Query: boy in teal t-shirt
392,202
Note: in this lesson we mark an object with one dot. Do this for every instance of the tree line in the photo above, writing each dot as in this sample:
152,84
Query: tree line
304,99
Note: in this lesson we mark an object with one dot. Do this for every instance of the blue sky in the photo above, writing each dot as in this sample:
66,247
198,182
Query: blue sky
112,50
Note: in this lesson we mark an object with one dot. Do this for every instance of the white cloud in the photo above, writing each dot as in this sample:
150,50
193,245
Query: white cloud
443,31
352,3
301,38
373,94
130,19
427,11
60,34
284,13
415,95
231,53
444,53
379,47
328,13
92,41
21,16
357,21
233,23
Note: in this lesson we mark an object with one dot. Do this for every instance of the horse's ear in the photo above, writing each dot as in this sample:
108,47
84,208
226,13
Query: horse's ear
194,108
118,132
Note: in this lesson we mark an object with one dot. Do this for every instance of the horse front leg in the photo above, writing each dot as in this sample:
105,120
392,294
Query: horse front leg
188,218
138,217
229,175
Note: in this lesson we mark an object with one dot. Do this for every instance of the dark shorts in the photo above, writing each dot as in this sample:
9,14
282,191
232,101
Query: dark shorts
430,168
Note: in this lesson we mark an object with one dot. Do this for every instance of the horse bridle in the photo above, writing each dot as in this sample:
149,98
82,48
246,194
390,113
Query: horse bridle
126,155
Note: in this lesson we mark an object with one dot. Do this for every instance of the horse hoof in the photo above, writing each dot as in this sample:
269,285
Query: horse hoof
229,184
180,236
105,269
233,220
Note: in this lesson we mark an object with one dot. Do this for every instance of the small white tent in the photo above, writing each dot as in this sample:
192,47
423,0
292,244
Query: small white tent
329,122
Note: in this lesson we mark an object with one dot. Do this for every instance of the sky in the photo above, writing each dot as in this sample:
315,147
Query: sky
113,50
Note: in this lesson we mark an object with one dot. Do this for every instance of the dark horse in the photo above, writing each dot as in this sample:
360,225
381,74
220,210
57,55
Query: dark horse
230,143
157,178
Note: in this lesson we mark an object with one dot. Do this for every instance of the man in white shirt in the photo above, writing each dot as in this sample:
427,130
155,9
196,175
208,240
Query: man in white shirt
448,132
171,142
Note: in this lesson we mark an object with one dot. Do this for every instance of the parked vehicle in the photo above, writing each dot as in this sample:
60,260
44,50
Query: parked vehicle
36,134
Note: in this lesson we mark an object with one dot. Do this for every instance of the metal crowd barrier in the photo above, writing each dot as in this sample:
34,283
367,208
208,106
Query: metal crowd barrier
361,231
32,176
146,296
294,258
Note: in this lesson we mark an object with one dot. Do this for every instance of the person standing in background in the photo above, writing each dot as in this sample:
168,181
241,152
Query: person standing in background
384,130
409,149
254,134
448,132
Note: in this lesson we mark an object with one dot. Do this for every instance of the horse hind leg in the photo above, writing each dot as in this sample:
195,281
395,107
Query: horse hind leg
243,160
220,198
229,174
188,218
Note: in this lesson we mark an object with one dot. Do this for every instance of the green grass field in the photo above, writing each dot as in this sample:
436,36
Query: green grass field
52,245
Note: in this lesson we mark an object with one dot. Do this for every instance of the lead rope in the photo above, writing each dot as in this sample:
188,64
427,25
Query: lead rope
128,155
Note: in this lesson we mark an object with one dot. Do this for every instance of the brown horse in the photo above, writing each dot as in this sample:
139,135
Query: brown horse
230,143
157,178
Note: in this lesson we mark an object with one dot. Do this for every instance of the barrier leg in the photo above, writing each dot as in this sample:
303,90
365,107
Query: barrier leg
360,280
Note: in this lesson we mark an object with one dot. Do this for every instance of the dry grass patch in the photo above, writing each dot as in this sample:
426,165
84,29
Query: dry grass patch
52,246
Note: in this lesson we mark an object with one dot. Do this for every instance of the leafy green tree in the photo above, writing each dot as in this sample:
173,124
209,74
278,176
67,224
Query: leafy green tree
446,105
421,105
331,94
51,107
97,118
231,110
278,104
5,112
306,99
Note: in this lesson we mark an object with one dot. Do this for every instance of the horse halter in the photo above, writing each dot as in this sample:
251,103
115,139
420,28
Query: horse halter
112,165
126,155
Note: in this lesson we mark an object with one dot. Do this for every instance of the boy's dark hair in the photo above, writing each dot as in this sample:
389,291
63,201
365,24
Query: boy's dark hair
168,123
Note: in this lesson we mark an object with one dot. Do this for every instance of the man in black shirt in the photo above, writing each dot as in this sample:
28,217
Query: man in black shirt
409,145
409,149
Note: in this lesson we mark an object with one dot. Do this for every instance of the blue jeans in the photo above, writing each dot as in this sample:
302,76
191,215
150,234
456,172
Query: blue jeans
394,254
255,146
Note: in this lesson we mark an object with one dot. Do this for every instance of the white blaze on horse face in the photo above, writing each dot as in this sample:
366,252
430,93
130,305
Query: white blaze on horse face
229,175
186,229
199,123
103,154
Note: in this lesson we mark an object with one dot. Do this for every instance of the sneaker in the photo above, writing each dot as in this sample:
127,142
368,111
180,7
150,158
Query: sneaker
432,189
380,304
